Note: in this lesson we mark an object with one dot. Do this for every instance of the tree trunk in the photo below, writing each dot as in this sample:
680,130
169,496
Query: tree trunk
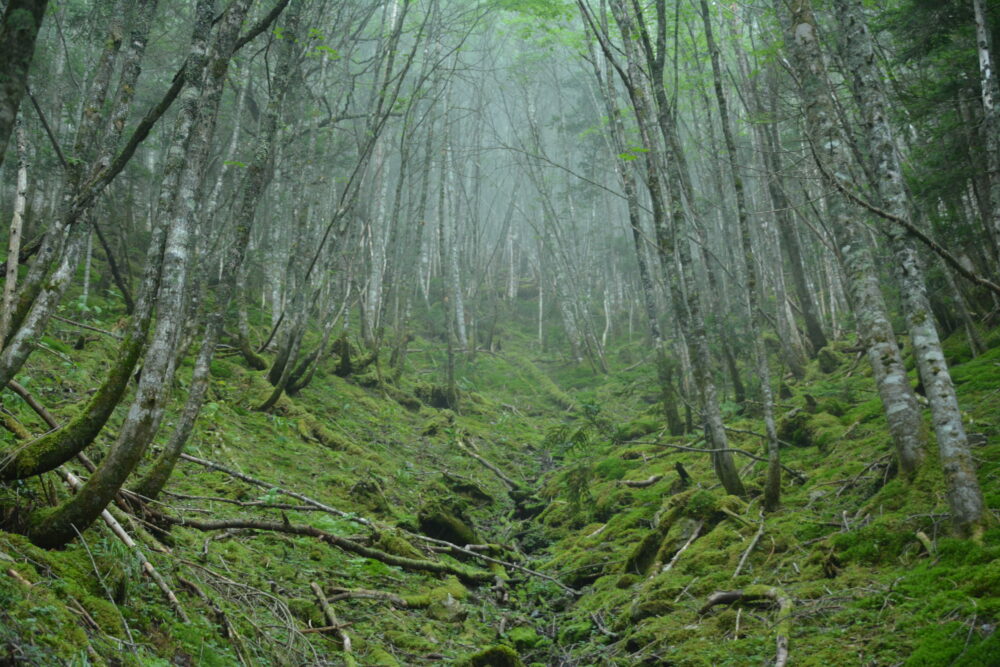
772,487
22,19
874,327
964,495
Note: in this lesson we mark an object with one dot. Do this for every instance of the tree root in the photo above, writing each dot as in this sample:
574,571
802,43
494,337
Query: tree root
782,624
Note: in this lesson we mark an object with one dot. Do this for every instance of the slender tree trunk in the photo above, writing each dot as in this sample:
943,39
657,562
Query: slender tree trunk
964,495
874,326
772,487
16,225
991,118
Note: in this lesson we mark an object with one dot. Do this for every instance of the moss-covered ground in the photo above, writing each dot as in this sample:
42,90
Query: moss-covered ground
868,560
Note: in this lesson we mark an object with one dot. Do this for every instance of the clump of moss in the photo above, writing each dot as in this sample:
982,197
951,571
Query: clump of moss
493,656
829,360
446,523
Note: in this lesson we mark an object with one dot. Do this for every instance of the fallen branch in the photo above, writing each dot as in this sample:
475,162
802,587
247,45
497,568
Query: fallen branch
367,594
363,521
758,592
746,554
17,576
642,483
228,631
497,561
332,618
291,494
677,556
333,540
511,484
795,473
81,325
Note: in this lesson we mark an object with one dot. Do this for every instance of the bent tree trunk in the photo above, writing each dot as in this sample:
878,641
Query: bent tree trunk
257,177
194,128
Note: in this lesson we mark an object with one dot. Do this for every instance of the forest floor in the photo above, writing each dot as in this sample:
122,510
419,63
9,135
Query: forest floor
606,541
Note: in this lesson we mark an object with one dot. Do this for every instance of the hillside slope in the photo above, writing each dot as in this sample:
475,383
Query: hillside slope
603,541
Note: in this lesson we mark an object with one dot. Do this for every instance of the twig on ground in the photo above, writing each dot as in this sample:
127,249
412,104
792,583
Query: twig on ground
753,544
642,483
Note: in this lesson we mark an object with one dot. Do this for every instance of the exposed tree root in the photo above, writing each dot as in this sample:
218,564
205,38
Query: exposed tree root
782,625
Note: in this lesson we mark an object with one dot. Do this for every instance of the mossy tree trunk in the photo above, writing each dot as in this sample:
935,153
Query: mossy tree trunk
187,157
873,323
964,495
22,19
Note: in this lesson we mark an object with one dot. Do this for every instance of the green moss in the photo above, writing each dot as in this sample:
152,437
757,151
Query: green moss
410,642
494,656
829,360
525,637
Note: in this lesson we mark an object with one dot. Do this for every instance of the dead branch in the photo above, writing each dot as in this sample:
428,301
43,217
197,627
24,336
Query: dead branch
366,594
677,556
291,494
511,484
642,483
758,592
753,544
17,576
332,618
333,540
358,519
795,473
81,325
497,561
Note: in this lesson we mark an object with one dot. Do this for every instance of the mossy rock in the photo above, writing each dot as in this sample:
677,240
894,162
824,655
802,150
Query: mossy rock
467,489
433,395
410,642
829,360
637,429
395,544
438,423
445,523
525,637
494,656
644,553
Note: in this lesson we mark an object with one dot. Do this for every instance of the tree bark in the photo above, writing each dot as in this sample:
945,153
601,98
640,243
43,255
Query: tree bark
964,495
873,323
22,19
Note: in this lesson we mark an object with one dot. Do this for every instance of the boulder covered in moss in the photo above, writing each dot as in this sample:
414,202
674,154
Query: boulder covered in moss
493,656
446,523
829,359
